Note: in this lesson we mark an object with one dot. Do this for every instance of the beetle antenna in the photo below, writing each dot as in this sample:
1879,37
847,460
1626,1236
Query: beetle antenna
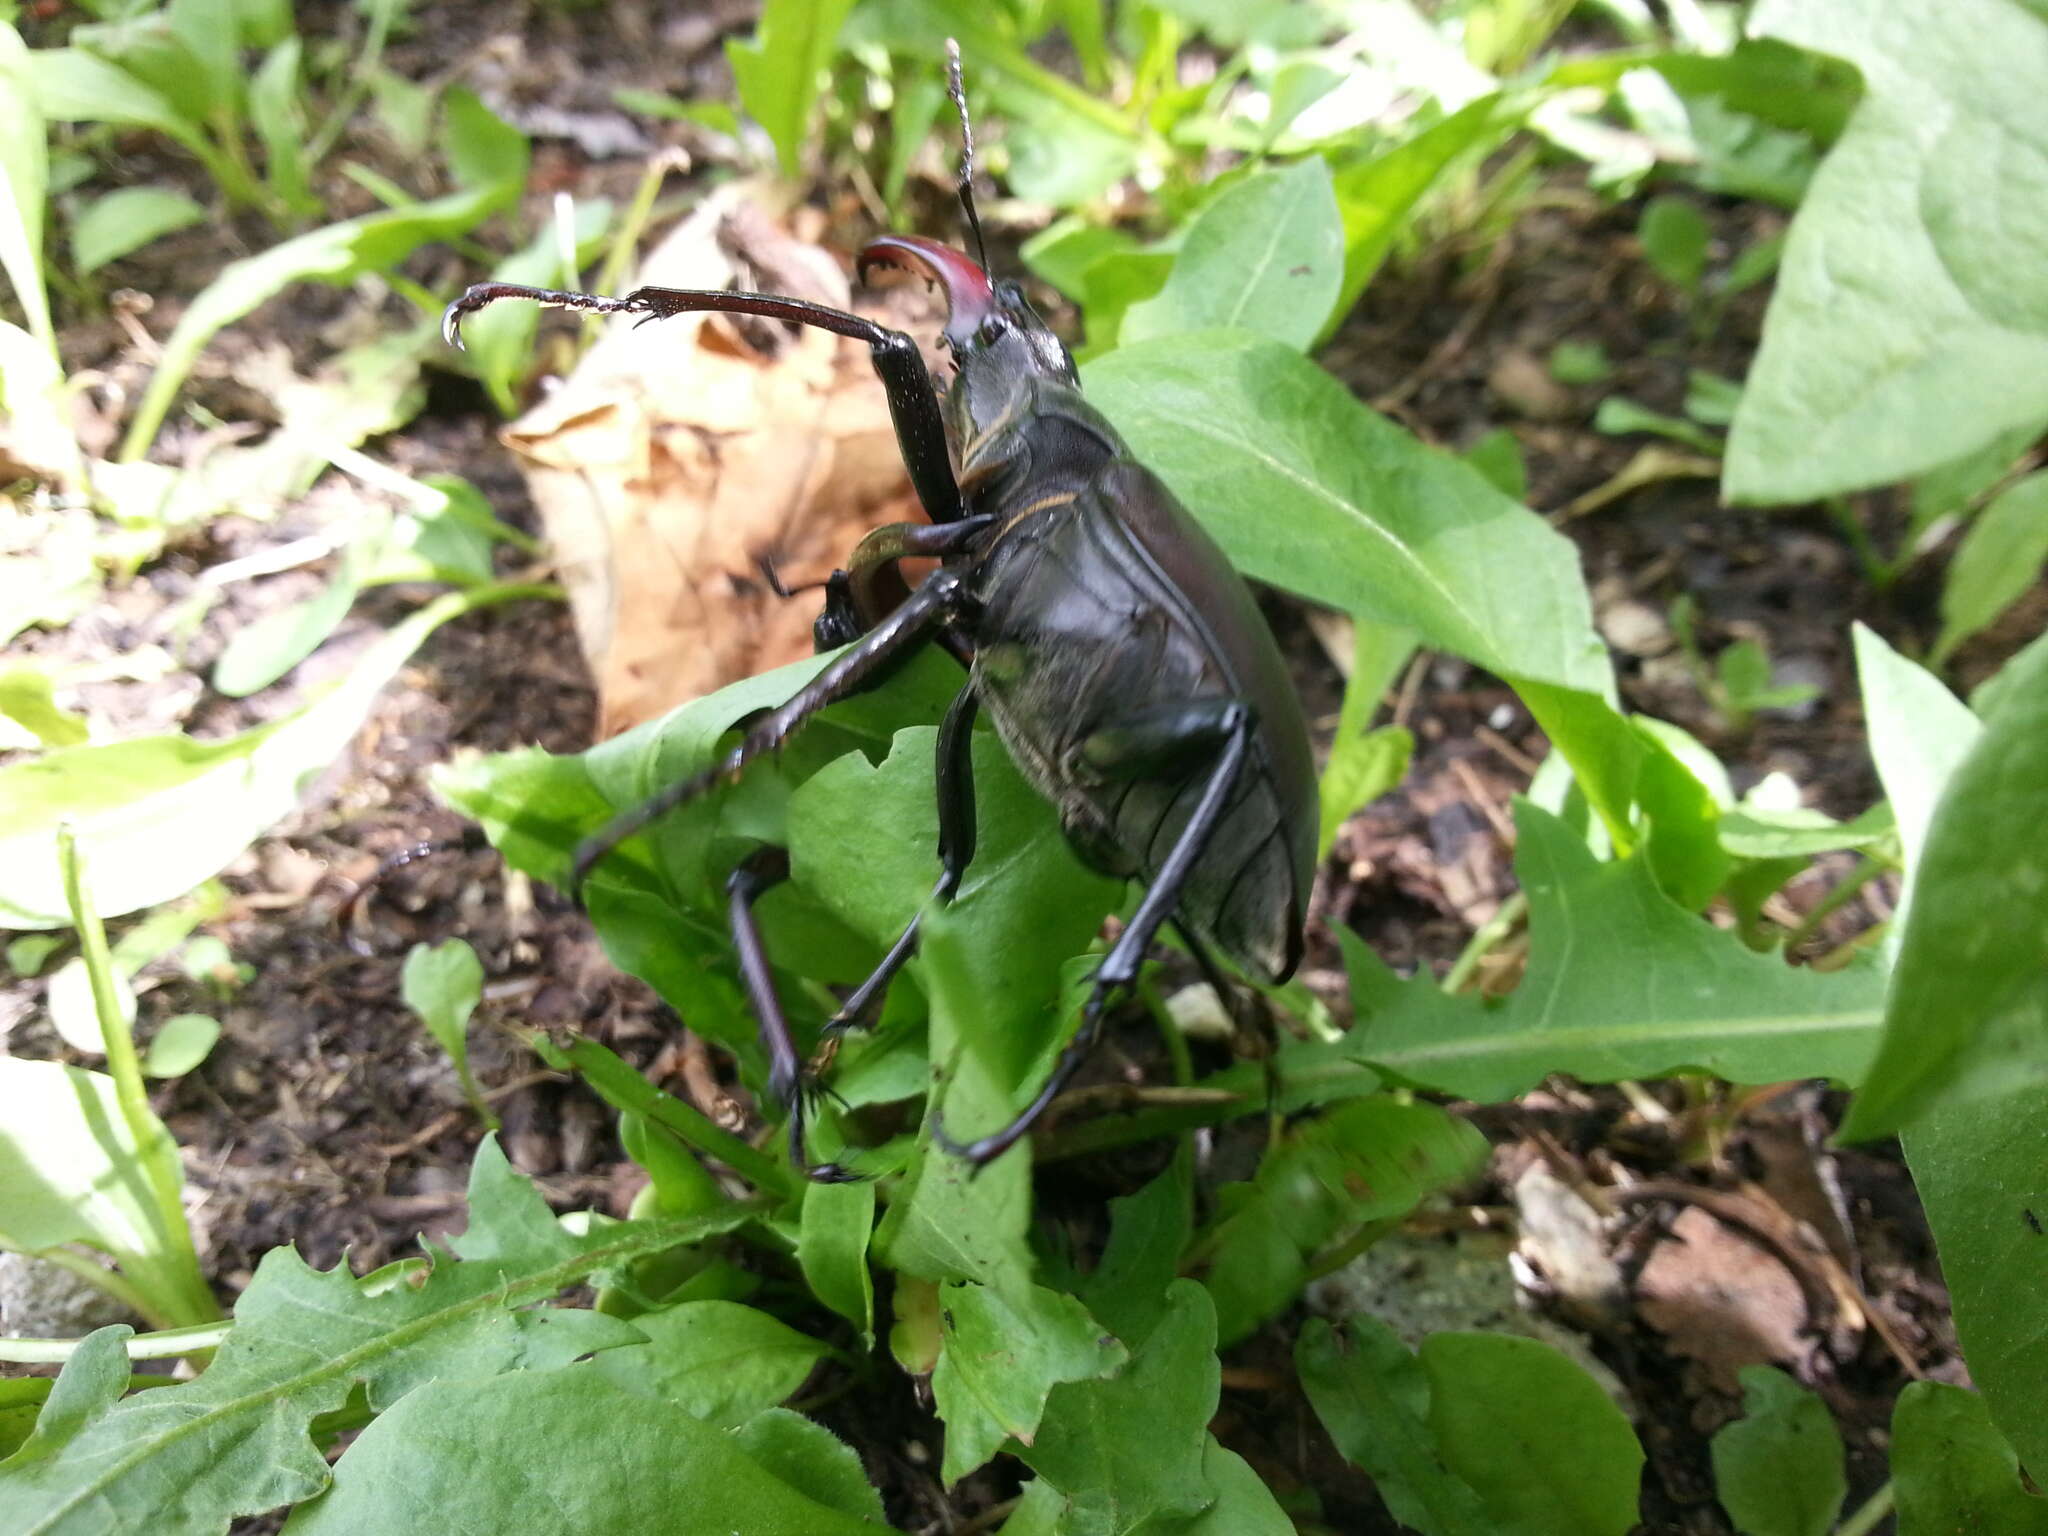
958,91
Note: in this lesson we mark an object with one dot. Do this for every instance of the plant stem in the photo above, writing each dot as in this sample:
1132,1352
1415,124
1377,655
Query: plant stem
1484,938
165,1345
190,1299
1867,1516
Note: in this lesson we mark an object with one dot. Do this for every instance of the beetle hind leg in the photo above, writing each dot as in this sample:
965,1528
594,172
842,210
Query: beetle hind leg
1207,723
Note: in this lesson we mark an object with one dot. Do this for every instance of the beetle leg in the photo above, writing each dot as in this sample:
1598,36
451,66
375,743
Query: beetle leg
954,762
846,674
871,585
1183,731
913,402
757,874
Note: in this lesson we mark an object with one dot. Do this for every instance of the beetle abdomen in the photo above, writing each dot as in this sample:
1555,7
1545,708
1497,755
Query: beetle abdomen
1103,671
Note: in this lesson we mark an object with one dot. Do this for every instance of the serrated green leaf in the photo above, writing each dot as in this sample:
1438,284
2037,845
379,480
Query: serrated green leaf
716,1360
1778,1469
1004,1351
1909,324
186,1459
1622,983
1115,1479
486,1447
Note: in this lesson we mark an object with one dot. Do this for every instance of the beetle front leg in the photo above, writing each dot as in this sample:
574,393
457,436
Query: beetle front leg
846,674
1133,751
913,402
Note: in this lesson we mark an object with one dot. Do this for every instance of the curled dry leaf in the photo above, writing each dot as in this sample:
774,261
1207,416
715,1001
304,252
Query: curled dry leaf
680,456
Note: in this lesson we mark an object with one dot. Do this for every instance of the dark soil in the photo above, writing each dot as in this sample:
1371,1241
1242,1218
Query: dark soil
327,1120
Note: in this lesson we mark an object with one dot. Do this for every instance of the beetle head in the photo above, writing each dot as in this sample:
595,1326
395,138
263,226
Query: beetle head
997,339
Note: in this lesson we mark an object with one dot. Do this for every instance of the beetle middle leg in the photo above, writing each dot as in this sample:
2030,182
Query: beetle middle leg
954,764
1137,750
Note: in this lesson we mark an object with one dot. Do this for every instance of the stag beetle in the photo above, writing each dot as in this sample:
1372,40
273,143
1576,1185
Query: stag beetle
1124,663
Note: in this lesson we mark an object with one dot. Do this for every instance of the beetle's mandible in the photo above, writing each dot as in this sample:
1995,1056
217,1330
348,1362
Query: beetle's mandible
1123,661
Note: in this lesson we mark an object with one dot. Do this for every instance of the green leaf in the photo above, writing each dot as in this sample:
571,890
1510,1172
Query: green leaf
1360,770
1540,1442
484,151
1619,416
1371,1160
1115,1478
1950,489
1498,456
1968,1011
1674,235
1373,1399
1266,256
1778,1469
813,1461
339,254
1981,1170
24,185
27,954
1686,994
180,1044
1003,1352
109,227
485,1448
1910,320
443,983
1378,196
1306,488
777,73
1919,733
716,1360
1067,145
1954,1472
275,113
832,1249
70,1174
161,813
1999,559
187,1458
27,699
70,85
1754,832
1580,362
260,653
1148,1232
